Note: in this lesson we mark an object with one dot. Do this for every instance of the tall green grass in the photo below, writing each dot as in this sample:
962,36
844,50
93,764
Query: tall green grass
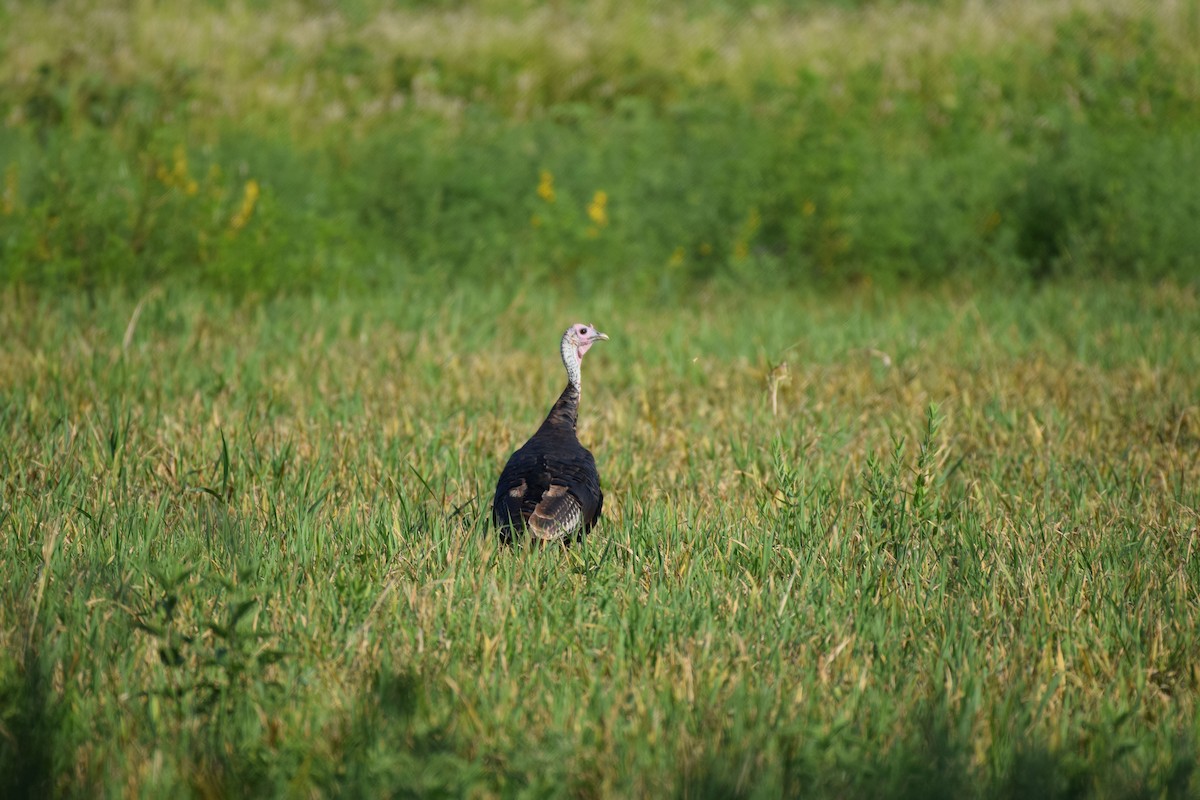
243,547
282,289
293,147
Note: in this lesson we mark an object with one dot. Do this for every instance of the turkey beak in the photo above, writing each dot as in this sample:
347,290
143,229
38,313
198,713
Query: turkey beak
603,336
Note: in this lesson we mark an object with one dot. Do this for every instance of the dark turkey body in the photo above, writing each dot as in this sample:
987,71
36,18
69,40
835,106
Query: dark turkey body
550,486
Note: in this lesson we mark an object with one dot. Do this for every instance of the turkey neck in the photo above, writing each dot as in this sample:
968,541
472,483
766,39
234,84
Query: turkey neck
565,412
566,409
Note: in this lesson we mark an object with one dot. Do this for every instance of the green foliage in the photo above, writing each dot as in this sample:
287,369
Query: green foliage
1057,151
274,320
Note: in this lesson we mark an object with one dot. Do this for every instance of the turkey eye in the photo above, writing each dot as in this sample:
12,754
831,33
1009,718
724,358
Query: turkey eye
582,331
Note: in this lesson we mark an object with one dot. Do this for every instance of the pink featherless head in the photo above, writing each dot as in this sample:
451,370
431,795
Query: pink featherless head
575,342
583,336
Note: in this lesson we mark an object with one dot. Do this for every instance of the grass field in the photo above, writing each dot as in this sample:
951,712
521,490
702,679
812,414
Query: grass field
898,426
244,549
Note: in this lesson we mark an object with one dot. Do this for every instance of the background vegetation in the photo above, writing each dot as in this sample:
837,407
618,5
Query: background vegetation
301,146
898,424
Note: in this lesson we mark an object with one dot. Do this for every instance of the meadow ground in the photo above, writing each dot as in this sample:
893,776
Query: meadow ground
949,550
898,424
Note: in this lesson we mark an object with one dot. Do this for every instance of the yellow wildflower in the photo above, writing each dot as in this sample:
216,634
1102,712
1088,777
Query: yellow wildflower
180,172
809,208
676,258
598,209
178,176
753,221
249,200
545,188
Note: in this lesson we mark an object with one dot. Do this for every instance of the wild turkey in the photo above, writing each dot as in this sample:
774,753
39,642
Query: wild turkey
550,486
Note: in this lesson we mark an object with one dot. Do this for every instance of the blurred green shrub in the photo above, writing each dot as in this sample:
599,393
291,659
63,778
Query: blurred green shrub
1025,164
